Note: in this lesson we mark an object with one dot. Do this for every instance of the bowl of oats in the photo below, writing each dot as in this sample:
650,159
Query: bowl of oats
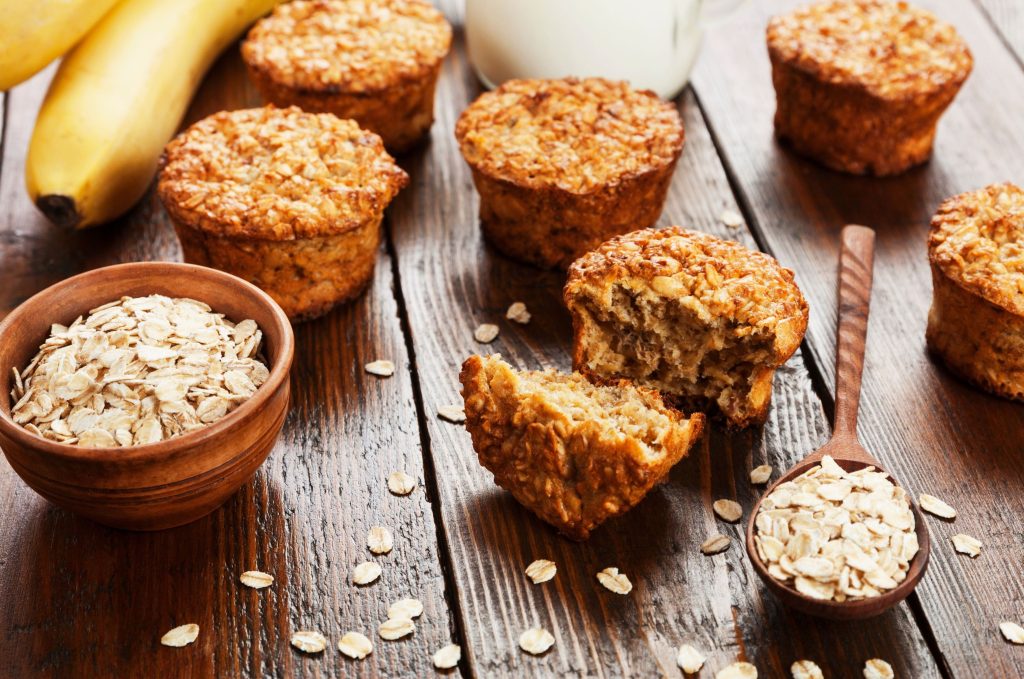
143,395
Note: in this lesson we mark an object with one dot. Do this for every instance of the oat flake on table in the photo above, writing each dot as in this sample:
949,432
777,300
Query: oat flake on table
447,657
615,581
365,573
256,579
518,312
934,505
806,669
716,544
401,483
136,371
689,659
182,635
965,544
536,640
1012,632
541,570
759,475
393,629
406,608
878,669
308,641
737,670
379,540
380,368
453,414
731,218
728,510
355,645
486,333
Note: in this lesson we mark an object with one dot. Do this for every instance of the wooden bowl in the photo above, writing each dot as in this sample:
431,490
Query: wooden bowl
158,485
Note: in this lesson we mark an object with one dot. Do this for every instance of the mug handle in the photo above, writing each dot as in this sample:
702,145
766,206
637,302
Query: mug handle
716,11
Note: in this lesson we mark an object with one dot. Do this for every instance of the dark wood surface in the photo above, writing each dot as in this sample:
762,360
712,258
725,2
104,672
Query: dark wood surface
77,600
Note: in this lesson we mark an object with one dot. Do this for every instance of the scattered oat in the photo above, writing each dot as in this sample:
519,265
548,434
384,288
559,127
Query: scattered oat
835,535
309,642
136,371
380,368
447,657
731,218
965,544
406,608
256,579
365,573
728,510
806,669
878,669
485,333
517,312
760,475
690,660
379,540
1012,632
401,483
396,628
355,645
452,413
934,505
183,635
716,544
536,640
737,670
541,570
615,581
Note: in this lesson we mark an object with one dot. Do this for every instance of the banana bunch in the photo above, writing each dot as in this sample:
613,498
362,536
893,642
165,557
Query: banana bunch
118,97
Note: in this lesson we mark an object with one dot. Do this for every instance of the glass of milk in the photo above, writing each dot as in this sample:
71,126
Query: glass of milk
651,43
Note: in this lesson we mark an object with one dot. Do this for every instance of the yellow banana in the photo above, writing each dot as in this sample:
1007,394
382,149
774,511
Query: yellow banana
118,97
35,32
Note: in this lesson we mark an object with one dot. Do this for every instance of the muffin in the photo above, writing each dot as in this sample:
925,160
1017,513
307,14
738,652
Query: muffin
705,321
290,201
574,453
374,61
860,84
976,323
562,165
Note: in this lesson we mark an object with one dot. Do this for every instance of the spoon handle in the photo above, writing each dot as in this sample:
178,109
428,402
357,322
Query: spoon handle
856,262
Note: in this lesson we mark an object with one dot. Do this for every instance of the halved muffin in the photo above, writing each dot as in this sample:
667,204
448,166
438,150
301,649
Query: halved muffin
861,84
375,61
572,452
976,323
705,321
562,165
290,201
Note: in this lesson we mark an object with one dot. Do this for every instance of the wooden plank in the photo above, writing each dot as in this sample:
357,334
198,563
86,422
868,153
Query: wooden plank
82,600
451,282
1007,18
939,435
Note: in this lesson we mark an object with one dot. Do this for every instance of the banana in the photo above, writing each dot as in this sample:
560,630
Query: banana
118,97
32,34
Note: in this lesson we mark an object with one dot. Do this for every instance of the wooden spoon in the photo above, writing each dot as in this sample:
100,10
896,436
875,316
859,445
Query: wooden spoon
855,267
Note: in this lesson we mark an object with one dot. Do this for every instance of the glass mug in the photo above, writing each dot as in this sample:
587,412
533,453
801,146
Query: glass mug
651,43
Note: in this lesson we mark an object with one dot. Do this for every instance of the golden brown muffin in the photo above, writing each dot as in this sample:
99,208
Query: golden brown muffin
290,201
562,165
375,61
976,323
705,321
574,453
861,84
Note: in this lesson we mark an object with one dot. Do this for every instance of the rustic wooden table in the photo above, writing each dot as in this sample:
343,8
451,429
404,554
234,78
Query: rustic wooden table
79,600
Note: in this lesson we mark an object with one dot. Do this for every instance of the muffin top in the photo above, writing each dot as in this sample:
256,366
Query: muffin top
977,240
576,135
892,49
277,174
717,279
347,45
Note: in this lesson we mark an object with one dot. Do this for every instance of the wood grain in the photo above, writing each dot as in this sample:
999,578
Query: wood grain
1007,19
79,600
934,433
451,282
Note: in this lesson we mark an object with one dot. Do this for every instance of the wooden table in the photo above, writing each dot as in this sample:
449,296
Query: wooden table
80,600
